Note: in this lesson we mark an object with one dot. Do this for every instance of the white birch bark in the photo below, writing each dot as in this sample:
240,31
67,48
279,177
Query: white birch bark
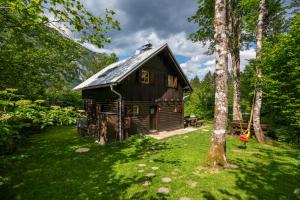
216,153
261,29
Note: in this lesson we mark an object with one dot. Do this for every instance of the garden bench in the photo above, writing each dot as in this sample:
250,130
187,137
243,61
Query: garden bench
236,127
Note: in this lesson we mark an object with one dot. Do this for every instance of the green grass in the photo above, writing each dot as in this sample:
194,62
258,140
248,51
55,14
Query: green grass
49,168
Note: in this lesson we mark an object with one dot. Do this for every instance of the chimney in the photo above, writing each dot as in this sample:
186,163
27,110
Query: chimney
146,47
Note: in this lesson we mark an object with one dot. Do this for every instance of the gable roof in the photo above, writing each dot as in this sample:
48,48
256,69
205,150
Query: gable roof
118,71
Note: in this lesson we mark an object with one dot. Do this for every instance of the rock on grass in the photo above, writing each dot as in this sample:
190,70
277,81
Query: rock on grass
82,150
150,174
163,190
166,179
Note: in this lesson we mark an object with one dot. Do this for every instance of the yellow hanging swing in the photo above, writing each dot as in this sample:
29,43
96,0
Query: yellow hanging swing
245,135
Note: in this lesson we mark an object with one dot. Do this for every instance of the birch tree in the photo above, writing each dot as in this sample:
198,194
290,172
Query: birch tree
261,31
234,46
241,24
216,154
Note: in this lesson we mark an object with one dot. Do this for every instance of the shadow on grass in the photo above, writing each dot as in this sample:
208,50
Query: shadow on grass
49,168
269,174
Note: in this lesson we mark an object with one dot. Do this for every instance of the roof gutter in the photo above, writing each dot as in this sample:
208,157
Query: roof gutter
120,110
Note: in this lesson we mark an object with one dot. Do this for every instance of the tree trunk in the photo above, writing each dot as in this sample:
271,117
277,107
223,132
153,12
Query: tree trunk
261,30
216,154
234,46
235,57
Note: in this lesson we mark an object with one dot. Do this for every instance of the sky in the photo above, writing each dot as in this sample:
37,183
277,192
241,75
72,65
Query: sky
157,22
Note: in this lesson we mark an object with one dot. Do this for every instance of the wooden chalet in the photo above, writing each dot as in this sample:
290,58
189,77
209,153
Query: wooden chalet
141,94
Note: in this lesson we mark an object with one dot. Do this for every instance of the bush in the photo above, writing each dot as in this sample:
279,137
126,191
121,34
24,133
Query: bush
64,98
20,117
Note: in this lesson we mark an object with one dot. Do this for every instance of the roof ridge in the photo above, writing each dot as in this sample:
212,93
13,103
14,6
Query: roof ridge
117,71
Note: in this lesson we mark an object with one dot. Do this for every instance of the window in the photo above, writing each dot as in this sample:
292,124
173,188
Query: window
135,110
172,81
145,77
87,103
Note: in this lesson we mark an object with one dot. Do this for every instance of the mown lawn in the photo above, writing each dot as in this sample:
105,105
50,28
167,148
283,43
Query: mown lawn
49,168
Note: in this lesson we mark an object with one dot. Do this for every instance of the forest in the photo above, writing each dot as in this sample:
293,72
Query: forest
43,57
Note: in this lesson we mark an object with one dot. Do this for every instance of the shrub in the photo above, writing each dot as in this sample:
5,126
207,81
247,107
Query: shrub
21,117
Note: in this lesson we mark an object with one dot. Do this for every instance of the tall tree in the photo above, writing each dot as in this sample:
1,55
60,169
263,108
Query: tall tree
261,31
242,16
234,47
204,18
281,69
216,154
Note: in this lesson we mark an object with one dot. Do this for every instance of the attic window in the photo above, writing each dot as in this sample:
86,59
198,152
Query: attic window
135,110
172,81
145,77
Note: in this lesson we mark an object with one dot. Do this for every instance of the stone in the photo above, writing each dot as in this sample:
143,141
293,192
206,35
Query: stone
82,150
185,198
150,174
192,184
142,165
166,179
140,171
151,161
155,168
146,183
163,190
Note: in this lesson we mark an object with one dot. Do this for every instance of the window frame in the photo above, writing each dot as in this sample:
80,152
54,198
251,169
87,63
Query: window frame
135,109
143,72
172,81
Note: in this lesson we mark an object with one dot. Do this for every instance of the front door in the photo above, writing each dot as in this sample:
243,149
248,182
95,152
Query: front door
153,117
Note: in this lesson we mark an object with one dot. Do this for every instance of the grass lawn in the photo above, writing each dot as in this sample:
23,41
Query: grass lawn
49,168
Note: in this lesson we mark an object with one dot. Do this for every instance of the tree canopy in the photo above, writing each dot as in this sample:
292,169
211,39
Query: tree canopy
37,58
281,66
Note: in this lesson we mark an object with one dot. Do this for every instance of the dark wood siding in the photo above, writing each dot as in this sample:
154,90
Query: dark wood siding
99,94
104,105
133,90
139,123
167,118
104,98
155,94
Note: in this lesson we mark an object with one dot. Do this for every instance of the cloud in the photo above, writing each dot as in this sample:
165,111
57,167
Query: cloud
201,65
246,55
157,22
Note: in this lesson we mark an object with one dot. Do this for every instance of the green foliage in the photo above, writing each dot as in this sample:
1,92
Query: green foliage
19,118
247,86
201,101
281,84
64,98
35,56
247,14
204,18
99,63
65,14
281,68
